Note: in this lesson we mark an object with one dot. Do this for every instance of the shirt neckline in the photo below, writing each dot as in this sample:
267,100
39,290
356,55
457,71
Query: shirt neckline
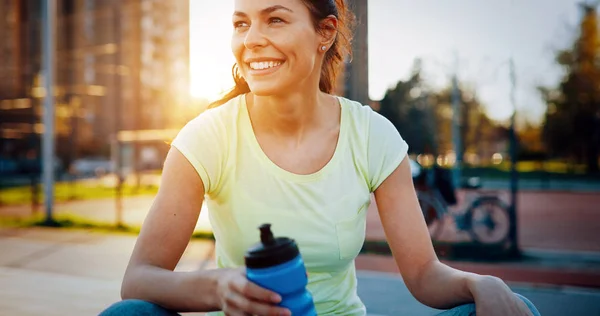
276,169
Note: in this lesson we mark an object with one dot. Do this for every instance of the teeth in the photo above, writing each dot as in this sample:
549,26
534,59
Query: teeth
264,64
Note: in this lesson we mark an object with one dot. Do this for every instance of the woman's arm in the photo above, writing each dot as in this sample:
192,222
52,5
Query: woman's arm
430,281
164,236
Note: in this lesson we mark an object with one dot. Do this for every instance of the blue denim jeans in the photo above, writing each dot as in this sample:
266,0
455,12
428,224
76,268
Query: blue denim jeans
136,308
142,308
469,309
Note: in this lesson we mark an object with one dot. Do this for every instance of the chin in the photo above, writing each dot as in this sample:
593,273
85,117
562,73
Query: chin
266,88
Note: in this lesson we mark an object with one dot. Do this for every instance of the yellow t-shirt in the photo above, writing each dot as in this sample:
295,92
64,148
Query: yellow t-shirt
324,212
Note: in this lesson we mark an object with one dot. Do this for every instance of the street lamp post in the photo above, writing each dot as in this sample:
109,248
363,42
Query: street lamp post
456,131
48,46
456,117
514,175
118,117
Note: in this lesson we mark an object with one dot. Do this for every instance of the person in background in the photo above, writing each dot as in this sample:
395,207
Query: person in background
281,148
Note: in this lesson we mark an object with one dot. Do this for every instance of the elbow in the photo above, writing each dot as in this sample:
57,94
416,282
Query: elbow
417,282
126,289
129,285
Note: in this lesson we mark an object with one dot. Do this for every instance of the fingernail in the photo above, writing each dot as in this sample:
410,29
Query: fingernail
276,298
285,313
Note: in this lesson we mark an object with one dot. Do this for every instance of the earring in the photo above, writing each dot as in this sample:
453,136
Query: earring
323,48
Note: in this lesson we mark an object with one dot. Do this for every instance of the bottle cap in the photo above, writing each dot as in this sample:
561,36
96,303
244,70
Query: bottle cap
270,251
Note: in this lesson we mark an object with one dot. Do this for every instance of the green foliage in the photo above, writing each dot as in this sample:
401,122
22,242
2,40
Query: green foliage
408,107
572,122
424,118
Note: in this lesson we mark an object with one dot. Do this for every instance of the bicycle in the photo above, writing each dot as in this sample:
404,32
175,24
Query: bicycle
485,217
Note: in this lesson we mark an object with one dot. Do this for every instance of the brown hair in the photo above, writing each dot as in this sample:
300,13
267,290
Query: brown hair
334,58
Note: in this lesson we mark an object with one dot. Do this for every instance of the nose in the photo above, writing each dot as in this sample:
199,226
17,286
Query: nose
254,38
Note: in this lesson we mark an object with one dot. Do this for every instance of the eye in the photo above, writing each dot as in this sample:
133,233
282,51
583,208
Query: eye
275,20
239,24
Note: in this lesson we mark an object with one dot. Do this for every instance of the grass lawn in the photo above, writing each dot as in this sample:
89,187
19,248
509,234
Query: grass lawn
75,222
534,170
65,191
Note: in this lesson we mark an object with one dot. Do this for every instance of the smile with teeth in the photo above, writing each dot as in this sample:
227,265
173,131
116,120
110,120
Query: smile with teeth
264,64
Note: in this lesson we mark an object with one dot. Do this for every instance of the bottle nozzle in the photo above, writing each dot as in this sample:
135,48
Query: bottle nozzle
266,236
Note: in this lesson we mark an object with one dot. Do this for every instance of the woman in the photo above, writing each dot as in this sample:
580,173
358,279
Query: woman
281,149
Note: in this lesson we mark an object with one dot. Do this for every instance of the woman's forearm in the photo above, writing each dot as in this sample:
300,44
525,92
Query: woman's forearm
440,286
178,291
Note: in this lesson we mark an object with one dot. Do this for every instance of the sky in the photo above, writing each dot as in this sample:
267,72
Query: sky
475,38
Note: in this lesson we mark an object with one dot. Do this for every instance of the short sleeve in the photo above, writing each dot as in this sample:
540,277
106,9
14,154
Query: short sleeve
386,149
202,142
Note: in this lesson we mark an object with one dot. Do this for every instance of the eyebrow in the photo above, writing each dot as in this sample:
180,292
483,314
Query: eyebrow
265,11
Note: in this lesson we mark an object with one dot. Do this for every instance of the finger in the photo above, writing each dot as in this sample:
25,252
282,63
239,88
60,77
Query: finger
524,310
230,307
236,313
249,307
255,292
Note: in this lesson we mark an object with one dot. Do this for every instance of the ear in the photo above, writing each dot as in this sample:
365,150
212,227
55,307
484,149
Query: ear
328,31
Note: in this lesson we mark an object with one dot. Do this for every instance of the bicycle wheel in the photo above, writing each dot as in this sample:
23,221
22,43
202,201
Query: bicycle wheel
489,220
432,212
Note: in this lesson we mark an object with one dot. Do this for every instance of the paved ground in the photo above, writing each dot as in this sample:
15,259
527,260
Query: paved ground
559,232
385,294
74,272
546,220
540,268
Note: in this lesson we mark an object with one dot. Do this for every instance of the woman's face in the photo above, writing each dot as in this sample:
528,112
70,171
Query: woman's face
275,44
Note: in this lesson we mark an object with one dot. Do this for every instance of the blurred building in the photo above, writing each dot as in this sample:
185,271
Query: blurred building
19,65
120,65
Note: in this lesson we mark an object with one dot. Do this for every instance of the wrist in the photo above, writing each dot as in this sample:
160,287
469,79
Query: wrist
479,283
212,282
471,281
202,290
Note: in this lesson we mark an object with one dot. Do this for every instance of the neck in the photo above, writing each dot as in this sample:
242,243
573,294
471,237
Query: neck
288,115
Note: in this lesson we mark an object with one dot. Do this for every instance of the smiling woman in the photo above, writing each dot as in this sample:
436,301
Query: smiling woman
210,52
280,148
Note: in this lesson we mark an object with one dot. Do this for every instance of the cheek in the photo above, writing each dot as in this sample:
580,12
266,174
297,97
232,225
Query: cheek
305,58
304,50
237,47
299,50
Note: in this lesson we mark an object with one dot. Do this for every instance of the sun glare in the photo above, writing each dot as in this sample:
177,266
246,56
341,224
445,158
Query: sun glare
210,51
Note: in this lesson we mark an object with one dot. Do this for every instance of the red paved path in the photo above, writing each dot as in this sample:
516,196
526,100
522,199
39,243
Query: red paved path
510,272
547,220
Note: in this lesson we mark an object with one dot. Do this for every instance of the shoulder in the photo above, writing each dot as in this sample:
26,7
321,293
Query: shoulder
218,116
380,146
366,120
212,125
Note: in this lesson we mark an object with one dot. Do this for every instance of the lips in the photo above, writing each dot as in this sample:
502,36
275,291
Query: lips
261,67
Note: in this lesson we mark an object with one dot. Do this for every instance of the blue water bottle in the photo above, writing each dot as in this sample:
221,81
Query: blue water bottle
276,264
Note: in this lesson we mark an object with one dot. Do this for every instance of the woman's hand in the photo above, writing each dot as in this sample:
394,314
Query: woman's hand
238,296
493,297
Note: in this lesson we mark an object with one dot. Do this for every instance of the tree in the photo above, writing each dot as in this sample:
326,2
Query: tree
477,130
424,117
408,108
572,121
